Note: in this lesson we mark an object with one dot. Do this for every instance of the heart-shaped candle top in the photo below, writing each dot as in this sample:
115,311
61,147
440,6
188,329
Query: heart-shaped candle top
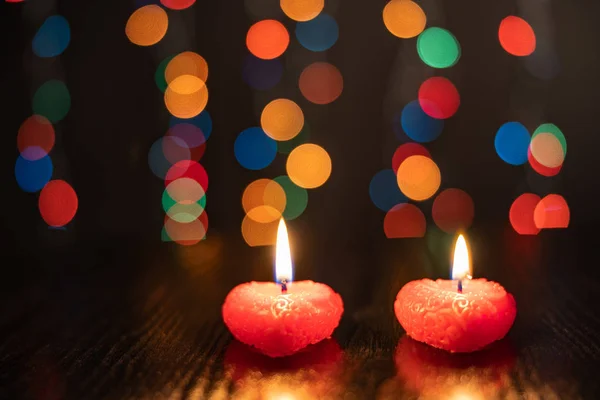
281,323
434,312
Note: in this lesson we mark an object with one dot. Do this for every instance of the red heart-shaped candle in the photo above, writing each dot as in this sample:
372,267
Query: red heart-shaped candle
280,323
434,312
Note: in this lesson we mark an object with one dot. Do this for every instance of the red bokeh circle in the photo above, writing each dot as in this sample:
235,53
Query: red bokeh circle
439,97
453,210
35,138
404,220
58,203
187,169
521,214
407,150
516,36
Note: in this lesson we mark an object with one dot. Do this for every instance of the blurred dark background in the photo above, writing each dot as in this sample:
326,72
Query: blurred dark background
109,260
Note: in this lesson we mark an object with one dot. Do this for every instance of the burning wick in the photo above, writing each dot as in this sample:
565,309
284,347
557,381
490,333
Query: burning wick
283,285
460,286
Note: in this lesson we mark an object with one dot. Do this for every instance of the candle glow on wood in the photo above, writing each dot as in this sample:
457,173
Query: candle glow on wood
283,256
461,267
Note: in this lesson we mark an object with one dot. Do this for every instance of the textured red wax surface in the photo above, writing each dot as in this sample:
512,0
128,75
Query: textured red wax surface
280,324
435,313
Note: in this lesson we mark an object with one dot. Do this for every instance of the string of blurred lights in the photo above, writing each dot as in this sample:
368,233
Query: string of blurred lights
174,158
545,150
34,169
414,175
283,127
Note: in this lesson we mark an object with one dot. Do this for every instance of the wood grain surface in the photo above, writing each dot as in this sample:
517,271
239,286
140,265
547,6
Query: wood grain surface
126,322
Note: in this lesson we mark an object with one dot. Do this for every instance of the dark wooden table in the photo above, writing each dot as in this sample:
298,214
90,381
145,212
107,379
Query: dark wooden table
130,320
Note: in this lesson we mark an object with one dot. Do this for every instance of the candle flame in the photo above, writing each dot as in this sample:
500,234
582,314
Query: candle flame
283,257
461,267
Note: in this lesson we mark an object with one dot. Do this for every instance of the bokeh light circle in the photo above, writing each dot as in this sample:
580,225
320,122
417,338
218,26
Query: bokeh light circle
187,169
282,119
32,176
264,200
419,178
168,202
321,83
309,166
516,36
539,168
267,39
58,203
185,213
453,210
187,136
547,150
52,38
418,125
404,221
186,234
404,18
262,74
186,96
521,214
303,10
554,130
157,160
438,48
203,121
439,97
52,100
186,63
512,142
319,34
406,150
552,212
384,191
296,197
35,138
259,234
254,150
177,4
185,190
147,25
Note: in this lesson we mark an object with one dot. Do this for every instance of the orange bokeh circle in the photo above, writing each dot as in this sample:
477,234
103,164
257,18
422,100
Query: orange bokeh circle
267,39
186,63
259,234
303,10
552,212
147,25
309,166
419,177
186,96
404,18
282,119
264,200
321,83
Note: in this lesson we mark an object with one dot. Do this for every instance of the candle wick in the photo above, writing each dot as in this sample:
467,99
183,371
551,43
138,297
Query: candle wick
283,285
460,283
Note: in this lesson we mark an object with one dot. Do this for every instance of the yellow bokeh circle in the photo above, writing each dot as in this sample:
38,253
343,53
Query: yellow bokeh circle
419,177
186,96
302,10
282,119
147,25
404,18
186,63
547,150
309,166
